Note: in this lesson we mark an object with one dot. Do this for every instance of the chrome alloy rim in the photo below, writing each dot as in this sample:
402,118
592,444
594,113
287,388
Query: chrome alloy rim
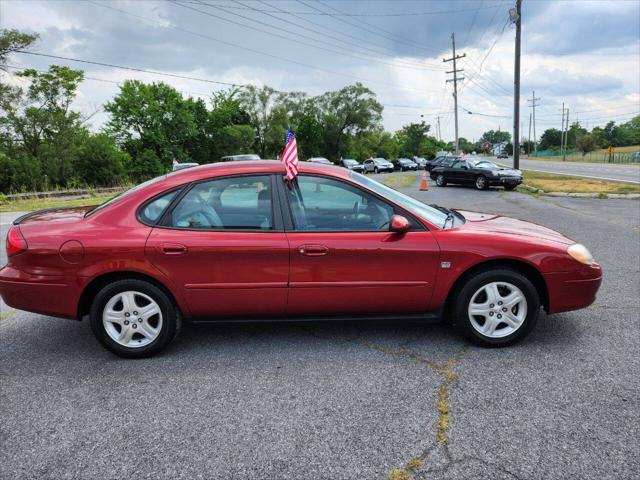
440,179
481,182
497,309
132,319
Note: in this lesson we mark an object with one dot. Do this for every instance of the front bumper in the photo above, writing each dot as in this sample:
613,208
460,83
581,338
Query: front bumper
505,181
573,290
57,296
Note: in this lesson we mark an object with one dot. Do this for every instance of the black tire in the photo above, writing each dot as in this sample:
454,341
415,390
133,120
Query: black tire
440,181
463,298
375,170
481,182
510,187
169,329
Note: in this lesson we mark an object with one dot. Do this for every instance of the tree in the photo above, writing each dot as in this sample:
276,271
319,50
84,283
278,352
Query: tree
152,118
586,143
12,41
259,105
350,111
550,138
98,161
47,128
411,138
495,136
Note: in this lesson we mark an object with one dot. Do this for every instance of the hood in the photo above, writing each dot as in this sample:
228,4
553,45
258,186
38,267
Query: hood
64,214
498,224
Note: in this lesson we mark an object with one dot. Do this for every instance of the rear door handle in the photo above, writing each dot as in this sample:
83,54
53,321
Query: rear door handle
172,248
313,250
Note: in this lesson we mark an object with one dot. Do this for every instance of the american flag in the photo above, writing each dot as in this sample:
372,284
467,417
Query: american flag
290,155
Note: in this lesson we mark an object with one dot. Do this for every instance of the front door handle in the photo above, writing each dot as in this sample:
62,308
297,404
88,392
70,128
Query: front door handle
313,250
172,248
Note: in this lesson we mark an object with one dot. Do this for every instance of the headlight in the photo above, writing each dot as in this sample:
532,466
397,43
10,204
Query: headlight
580,253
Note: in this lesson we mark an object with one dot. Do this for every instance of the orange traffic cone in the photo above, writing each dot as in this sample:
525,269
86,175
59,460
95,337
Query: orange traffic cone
424,186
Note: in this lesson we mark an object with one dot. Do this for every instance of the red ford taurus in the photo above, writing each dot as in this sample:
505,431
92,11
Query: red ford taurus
234,241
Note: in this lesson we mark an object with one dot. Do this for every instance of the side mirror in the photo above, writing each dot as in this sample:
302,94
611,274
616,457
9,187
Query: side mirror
399,224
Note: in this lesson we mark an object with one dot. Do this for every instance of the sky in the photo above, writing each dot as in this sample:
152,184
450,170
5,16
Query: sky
580,52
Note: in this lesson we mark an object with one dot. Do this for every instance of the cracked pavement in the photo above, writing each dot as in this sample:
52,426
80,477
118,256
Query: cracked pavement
344,401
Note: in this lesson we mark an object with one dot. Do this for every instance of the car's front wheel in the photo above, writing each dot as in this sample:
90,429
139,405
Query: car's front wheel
375,170
481,182
497,307
134,318
440,181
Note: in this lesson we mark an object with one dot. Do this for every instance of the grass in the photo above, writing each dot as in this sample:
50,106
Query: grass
30,204
549,182
399,181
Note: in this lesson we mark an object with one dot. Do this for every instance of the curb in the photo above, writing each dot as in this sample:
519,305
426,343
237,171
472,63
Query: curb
627,196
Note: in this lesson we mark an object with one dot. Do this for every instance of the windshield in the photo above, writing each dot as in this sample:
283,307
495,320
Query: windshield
430,214
347,161
124,194
485,164
380,160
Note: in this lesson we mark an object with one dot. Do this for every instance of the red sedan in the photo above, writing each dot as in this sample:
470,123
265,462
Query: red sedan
235,241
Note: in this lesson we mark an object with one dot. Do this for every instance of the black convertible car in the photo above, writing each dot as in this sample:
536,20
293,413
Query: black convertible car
480,173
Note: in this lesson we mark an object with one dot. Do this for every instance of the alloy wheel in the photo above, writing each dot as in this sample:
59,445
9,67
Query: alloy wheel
481,183
497,309
132,319
440,180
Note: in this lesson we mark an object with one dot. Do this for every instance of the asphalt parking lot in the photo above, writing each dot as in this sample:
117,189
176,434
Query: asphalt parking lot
344,401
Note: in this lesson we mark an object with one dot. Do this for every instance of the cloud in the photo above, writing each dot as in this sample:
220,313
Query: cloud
583,53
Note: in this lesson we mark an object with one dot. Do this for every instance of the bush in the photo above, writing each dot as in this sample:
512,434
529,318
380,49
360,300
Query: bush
99,163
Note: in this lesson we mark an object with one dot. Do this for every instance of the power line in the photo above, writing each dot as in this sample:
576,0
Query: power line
224,42
297,35
397,14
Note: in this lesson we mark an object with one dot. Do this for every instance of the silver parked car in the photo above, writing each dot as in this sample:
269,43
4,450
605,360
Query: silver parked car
377,165
322,160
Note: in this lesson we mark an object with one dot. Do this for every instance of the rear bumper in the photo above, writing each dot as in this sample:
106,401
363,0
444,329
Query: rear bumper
572,291
45,294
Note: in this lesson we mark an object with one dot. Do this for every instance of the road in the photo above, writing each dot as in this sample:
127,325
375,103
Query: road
603,171
344,401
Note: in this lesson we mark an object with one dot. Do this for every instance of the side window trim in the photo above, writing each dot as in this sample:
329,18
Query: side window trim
288,216
276,211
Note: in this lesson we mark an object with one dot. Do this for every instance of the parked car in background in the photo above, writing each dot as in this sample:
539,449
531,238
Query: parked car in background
322,160
437,161
421,162
245,157
234,241
482,174
377,165
352,164
182,166
403,164
502,155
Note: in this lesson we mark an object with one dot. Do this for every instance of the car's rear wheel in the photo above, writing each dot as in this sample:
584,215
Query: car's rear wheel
375,170
440,181
481,182
133,318
496,308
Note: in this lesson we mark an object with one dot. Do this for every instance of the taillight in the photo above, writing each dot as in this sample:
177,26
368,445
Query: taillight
15,242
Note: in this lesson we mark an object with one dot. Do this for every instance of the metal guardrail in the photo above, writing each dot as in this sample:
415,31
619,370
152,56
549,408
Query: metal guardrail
62,193
591,157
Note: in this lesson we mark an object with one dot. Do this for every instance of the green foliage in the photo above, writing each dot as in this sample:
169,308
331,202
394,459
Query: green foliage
550,138
11,41
411,138
99,162
586,144
495,136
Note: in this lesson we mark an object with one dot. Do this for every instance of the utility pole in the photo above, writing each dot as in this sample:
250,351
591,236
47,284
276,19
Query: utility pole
516,17
566,137
438,130
534,103
562,133
529,142
455,81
